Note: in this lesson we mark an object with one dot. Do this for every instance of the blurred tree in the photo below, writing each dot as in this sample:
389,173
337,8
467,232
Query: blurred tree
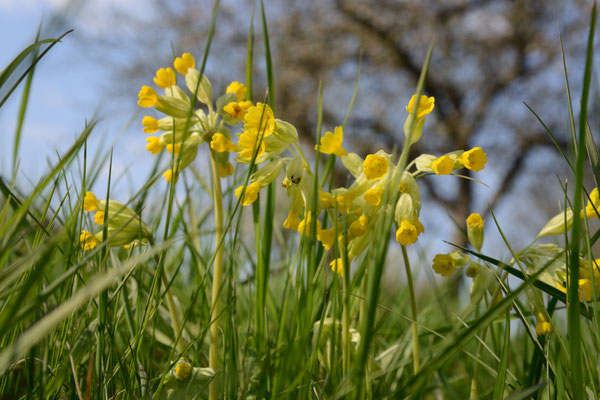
489,57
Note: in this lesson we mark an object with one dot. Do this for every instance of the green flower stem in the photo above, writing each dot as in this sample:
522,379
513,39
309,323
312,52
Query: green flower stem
413,310
346,309
213,359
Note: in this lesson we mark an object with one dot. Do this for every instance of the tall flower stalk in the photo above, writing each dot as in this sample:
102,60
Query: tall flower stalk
213,358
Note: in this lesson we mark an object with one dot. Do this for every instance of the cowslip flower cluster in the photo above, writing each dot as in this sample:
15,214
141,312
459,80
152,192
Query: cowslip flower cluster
360,203
183,128
262,137
125,227
272,146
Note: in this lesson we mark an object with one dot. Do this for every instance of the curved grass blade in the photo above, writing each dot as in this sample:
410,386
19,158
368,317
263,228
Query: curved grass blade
6,73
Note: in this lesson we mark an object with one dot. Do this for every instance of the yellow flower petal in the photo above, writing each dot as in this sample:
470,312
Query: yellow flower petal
443,165
165,77
238,88
425,106
443,264
183,63
147,97
331,143
375,167
474,159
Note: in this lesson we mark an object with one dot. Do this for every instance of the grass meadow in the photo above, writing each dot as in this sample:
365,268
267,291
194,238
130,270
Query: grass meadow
240,270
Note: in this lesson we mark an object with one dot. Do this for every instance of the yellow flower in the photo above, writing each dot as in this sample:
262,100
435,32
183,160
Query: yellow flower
425,106
331,143
147,97
165,77
593,204
344,201
359,227
237,109
292,221
99,218
238,88
443,264
375,167
337,266
472,271
183,63
87,240
304,225
170,176
182,370
326,237
373,196
474,159
225,170
475,221
251,193
221,143
90,202
443,165
150,124
260,114
543,328
407,233
247,143
170,147
154,145
586,290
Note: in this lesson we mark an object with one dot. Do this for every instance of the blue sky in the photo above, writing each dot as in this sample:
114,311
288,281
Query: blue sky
67,89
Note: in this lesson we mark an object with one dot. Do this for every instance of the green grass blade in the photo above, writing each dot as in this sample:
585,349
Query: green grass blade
23,108
6,73
526,393
573,305
500,384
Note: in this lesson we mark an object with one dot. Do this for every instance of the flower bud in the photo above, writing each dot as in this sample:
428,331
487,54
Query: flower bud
405,209
556,225
408,184
175,107
285,131
475,230
204,91
415,135
353,163
274,146
269,172
481,282
423,162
